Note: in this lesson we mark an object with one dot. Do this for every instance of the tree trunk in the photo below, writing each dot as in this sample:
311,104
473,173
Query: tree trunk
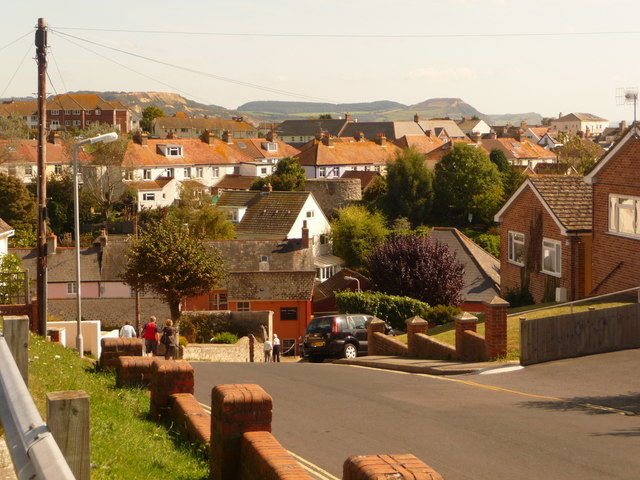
174,308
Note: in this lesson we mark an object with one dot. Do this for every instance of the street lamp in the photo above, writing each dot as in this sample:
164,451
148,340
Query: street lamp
354,278
105,138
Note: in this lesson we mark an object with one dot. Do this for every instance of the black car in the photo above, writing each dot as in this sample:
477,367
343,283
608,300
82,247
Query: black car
339,335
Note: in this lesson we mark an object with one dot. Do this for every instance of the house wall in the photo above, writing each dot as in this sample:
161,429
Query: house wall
528,216
59,290
317,225
618,176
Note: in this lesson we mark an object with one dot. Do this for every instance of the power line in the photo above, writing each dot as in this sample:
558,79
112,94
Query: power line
364,36
16,71
191,70
16,40
55,62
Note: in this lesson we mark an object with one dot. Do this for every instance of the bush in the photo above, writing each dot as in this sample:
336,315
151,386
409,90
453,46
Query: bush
519,297
393,309
225,337
441,314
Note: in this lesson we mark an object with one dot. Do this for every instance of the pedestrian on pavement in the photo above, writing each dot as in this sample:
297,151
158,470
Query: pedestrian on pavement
267,350
169,334
127,331
150,335
276,348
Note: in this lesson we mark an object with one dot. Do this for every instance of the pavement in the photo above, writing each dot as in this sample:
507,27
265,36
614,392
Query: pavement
431,367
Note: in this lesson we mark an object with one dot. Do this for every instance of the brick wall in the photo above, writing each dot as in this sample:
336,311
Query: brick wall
31,310
190,418
133,371
386,345
495,327
391,467
427,347
618,176
263,457
167,378
115,347
238,352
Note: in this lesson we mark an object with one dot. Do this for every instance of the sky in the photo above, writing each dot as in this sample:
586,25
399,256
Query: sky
500,56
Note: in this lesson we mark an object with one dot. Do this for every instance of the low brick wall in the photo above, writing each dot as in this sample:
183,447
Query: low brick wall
391,467
423,346
210,352
190,418
133,371
167,378
386,345
263,457
113,348
473,347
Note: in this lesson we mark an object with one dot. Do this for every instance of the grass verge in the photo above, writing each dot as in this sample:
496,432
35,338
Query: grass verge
125,443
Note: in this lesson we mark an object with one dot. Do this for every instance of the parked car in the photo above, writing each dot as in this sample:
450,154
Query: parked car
336,336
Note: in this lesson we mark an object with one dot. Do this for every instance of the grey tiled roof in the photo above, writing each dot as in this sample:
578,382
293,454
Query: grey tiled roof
569,198
271,285
4,226
311,127
481,269
61,267
112,312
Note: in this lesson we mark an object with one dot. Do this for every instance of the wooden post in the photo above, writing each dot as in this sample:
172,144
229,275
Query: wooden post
68,422
16,332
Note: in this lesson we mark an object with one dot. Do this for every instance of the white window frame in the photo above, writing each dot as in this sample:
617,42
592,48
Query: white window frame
71,288
552,249
77,112
199,172
215,171
616,208
515,238
57,168
186,172
77,123
243,307
149,197
55,112
322,172
170,172
146,174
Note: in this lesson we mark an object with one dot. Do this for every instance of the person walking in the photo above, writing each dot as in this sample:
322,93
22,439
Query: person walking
267,350
150,335
127,331
276,348
169,340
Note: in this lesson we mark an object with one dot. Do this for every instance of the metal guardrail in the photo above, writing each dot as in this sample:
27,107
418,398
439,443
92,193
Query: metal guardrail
582,300
33,449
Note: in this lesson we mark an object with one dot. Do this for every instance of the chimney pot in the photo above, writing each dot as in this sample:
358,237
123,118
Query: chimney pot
305,235
226,136
416,118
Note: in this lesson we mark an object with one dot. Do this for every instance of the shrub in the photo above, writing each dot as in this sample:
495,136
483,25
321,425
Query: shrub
519,297
393,309
225,337
441,314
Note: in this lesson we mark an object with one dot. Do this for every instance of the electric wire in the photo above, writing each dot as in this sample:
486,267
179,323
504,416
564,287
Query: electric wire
16,71
364,36
198,72
55,62
51,83
15,41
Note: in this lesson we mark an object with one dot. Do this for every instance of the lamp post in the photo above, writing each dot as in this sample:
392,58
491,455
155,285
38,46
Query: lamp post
356,279
105,138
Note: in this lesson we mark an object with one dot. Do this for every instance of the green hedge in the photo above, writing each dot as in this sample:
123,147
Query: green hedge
393,309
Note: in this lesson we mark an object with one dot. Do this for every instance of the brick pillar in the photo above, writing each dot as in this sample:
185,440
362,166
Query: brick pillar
464,321
168,377
375,325
495,327
112,348
235,409
415,325
379,467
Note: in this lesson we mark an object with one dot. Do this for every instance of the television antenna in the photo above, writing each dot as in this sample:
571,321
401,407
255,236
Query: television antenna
627,96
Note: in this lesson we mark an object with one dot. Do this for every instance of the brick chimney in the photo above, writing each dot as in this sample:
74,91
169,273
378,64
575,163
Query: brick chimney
359,136
319,135
327,140
52,244
54,137
347,117
208,137
493,135
416,118
523,125
305,235
267,188
381,139
623,125
172,135
141,138
272,136
226,136
428,133
476,137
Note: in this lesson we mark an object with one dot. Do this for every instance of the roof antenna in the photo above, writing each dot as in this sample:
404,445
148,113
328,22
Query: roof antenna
627,96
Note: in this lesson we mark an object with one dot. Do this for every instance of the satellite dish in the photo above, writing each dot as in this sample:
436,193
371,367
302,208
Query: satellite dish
628,96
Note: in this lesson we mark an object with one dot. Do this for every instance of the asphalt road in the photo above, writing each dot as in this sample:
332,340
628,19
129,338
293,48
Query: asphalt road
570,419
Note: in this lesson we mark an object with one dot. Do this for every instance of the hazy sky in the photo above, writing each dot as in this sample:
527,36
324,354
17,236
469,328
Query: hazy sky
501,56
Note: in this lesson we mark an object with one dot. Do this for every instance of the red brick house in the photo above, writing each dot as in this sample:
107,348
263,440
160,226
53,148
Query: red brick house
79,110
545,238
616,216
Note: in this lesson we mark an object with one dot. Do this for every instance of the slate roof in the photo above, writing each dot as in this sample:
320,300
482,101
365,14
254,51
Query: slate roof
451,127
583,117
194,152
279,285
347,153
366,177
61,267
391,130
236,182
311,127
481,269
268,215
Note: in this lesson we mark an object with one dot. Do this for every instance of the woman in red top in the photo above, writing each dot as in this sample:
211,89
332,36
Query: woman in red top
150,335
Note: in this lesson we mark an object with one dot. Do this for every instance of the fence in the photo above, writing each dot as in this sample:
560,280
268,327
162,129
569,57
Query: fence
583,333
14,288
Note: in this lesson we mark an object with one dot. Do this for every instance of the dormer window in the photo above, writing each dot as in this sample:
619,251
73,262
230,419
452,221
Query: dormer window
170,150
270,146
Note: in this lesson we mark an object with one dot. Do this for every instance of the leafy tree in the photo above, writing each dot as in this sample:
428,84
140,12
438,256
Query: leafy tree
13,128
205,220
325,116
498,157
418,267
149,114
167,259
511,177
376,193
469,182
355,232
409,187
60,202
577,152
289,176
11,284
17,204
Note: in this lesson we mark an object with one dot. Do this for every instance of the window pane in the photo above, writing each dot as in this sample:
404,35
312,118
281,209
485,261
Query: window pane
626,215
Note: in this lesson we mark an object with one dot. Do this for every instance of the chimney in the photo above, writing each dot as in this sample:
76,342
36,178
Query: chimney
171,135
272,136
381,139
476,137
305,235
416,118
327,140
54,137
141,138
427,133
623,125
208,137
52,244
266,188
560,115
226,136
319,135
523,125
347,117
493,135
359,136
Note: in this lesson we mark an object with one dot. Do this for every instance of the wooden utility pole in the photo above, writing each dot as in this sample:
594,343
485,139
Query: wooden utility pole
137,290
41,280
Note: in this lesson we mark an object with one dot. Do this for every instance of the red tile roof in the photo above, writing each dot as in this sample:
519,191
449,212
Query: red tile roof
26,151
194,152
352,153
514,149
421,143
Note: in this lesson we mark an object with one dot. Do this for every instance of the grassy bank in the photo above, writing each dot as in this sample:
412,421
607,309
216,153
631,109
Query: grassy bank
124,442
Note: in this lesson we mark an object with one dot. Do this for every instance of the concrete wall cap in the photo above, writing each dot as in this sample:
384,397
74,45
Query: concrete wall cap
416,320
466,317
497,302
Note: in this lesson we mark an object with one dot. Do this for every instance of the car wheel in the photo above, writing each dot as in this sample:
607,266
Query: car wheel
350,351
316,359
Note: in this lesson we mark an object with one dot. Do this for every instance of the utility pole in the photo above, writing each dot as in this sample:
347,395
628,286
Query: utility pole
41,280
137,290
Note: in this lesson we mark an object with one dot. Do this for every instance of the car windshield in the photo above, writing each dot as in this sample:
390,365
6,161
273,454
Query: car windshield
320,325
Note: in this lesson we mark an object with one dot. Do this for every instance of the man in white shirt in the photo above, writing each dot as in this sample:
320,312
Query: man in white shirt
267,350
127,331
276,348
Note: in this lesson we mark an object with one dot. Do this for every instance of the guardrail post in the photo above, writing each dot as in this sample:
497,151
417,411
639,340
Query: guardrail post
16,331
68,422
